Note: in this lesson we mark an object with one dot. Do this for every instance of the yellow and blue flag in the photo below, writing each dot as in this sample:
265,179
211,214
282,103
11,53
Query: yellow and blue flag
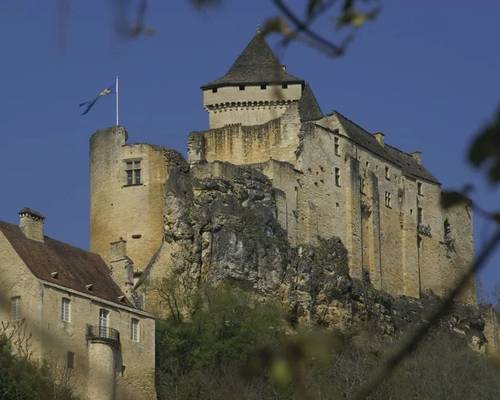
89,104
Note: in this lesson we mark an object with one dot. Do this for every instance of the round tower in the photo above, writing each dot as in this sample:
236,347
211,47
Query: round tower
127,186
255,90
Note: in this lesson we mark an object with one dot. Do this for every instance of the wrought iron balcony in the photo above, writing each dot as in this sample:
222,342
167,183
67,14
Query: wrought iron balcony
98,333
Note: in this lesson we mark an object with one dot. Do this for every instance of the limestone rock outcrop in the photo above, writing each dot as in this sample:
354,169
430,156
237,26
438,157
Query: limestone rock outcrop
221,226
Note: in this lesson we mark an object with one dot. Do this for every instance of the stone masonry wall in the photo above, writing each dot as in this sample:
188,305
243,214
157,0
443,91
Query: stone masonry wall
118,210
52,338
332,186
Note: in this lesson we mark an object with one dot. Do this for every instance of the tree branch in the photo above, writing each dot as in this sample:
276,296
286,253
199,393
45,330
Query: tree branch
303,27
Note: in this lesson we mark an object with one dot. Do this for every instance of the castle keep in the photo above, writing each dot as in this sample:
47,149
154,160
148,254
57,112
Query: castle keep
330,177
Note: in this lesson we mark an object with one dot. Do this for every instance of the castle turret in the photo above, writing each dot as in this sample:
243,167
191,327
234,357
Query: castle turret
255,90
127,186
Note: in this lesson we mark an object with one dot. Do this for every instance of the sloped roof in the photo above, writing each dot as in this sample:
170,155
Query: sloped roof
256,65
403,160
309,108
76,268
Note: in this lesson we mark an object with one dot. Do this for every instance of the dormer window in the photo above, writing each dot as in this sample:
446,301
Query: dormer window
133,171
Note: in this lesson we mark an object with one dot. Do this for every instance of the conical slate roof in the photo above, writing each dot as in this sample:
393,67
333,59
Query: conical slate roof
309,107
256,65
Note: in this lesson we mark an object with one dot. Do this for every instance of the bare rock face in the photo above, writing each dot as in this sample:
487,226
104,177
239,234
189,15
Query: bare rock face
221,227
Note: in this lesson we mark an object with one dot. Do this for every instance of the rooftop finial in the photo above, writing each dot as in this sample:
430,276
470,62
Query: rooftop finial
259,29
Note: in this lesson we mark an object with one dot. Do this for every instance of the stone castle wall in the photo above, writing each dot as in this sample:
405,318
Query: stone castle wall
248,104
329,185
118,210
239,144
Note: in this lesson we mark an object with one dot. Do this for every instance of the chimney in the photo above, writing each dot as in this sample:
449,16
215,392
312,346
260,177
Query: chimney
122,267
379,137
417,156
31,224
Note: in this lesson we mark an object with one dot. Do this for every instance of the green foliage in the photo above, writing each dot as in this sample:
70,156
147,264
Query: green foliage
197,354
233,346
22,379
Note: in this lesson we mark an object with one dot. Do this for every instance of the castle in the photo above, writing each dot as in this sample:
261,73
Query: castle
314,176
330,177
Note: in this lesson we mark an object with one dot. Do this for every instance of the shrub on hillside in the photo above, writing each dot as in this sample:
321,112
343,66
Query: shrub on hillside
232,346
23,379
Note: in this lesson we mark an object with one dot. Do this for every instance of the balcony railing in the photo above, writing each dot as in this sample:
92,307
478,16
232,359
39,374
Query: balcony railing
424,230
103,333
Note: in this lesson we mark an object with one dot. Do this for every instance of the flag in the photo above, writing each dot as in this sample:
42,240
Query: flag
89,104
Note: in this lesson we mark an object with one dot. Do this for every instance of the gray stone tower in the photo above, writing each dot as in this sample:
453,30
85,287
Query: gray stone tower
255,90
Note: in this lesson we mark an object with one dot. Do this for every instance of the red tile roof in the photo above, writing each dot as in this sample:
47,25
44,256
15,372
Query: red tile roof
76,268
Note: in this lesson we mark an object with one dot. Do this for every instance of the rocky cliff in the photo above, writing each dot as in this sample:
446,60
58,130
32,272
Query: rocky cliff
220,226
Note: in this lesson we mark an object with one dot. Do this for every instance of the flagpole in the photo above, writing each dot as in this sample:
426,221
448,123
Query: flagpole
117,95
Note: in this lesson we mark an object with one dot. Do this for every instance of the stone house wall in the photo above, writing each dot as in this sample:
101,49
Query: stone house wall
52,338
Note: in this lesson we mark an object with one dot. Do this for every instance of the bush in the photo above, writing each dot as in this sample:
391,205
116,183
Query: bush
22,379
232,346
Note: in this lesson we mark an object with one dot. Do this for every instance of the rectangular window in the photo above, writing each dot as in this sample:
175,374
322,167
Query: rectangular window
133,171
337,177
15,308
103,322
214,90
70,360
388,199
263,87
134,330
242,87
65,309
420,216
284,86
420,190
362,184
387,173
337,146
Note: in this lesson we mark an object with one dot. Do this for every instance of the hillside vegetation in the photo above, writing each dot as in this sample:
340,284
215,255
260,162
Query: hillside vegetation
231,345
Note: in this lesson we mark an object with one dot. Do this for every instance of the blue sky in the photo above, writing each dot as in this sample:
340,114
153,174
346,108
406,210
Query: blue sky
424,73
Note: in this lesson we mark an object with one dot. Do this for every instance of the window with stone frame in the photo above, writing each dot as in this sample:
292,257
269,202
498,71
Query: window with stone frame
387,173
65,309
134,330
337,177
336,144
133,172
70,360
15,308
420,189
362,185
388,199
